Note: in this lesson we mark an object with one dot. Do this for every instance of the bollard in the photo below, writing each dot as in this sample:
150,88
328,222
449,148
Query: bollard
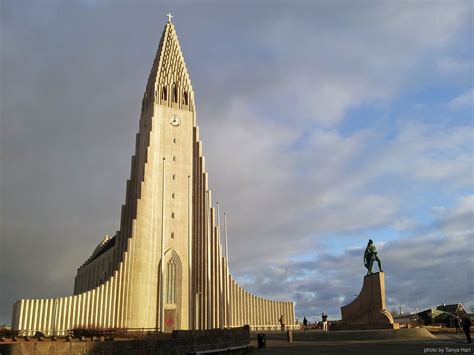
289,336
261,341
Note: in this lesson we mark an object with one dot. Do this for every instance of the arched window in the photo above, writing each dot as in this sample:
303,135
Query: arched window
171,282
185,98
164,94
175,93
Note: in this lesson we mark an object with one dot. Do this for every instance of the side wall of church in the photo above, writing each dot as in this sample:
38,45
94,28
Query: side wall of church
95,272
92,309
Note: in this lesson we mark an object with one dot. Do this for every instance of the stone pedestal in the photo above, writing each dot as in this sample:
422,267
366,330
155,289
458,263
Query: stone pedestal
368,311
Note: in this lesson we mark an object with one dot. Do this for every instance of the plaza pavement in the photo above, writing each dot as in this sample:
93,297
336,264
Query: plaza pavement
443,343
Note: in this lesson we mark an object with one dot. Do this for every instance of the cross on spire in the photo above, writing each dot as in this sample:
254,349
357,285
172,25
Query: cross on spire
169,17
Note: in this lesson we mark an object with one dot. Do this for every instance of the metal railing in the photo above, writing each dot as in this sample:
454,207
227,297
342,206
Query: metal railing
275,327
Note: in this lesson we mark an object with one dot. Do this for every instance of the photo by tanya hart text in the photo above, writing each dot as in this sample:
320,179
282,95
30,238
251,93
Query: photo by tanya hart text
447,350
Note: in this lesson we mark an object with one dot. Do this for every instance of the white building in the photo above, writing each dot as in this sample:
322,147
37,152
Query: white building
168,219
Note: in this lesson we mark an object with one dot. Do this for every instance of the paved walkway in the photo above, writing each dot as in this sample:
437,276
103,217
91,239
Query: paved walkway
365,348
444,343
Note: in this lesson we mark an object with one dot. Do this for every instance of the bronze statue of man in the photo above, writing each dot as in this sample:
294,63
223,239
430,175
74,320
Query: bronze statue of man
370,255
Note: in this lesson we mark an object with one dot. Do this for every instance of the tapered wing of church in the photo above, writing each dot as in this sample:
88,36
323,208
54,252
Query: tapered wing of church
164,269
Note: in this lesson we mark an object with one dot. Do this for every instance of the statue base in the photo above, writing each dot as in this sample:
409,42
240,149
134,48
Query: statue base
368,311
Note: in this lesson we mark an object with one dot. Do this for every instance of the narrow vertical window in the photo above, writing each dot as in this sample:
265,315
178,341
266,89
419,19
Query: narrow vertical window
164,94
175,93
185,98
171,282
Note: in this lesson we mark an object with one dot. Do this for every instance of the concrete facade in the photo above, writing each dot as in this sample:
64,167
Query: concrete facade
164,269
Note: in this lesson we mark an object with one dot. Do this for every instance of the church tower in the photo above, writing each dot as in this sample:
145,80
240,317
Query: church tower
156,218
164,269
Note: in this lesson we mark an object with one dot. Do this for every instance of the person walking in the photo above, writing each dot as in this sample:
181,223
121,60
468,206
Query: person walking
457,322
325,321
282,322
466,326
305,324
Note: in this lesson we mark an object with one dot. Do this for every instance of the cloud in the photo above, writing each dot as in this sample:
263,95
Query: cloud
450,65
430,152
464,100
312,69
334,183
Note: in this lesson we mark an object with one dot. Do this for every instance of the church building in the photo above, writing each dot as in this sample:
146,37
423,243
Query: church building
165,268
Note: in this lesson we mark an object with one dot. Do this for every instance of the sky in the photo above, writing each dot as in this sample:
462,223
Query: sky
324,124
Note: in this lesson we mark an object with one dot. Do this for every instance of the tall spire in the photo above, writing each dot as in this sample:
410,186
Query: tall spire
169,68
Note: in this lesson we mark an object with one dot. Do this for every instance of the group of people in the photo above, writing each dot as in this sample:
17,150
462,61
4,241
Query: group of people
324,322
464,322
324,318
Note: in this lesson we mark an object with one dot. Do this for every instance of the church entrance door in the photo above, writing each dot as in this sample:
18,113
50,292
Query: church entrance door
170,320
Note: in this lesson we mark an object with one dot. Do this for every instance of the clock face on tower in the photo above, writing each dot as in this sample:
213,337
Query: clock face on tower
175,121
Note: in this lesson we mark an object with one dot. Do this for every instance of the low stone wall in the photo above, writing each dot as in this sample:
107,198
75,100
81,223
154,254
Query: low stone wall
213,338
180,342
